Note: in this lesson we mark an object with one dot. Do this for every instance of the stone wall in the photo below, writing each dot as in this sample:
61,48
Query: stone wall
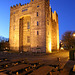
43,27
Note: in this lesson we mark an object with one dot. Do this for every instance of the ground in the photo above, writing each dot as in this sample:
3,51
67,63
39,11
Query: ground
54,59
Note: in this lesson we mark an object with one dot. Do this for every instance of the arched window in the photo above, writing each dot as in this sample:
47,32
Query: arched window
28,25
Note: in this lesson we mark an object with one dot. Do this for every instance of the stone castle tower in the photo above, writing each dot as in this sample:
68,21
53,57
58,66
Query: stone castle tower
34,27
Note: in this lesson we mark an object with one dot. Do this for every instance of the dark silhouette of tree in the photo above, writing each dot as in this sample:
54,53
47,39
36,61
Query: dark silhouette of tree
3,39
68,39
4,43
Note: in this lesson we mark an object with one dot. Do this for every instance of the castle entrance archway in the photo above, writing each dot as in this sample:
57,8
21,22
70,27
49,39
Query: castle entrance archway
24,33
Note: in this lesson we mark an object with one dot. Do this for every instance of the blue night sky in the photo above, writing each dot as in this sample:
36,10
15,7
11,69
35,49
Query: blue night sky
64,8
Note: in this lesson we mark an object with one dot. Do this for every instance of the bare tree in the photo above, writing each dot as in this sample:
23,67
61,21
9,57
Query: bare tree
68,39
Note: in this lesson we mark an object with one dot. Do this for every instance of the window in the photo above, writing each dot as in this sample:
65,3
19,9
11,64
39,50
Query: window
37,23
14,19
14,12
28,25
24,10
37,32
47,22
28,39
37,13
14,27
37,6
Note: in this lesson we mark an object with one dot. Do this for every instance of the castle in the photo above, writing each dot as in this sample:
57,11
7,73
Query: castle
34,27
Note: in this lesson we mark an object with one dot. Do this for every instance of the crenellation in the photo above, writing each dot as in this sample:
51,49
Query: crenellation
19,4
54,15
16,5
28,4
32,0
25,4
13,5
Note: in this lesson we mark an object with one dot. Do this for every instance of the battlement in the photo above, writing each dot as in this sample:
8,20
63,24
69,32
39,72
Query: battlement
16,6
54,16
26,4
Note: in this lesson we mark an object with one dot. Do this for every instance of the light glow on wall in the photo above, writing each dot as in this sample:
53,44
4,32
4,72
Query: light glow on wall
50,47
58,43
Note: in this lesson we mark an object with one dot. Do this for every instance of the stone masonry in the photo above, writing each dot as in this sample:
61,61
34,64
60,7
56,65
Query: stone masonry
34,27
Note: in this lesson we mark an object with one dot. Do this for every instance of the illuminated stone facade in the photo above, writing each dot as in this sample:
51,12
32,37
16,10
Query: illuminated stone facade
34,27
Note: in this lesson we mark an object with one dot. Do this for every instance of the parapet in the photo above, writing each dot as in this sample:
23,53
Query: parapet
55,13
13,7
54,16
16,6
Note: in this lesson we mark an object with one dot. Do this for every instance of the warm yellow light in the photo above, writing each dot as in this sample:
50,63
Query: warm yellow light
50,47
74,34
62,48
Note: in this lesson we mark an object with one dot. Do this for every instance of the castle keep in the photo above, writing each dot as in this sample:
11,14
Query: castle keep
34,27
